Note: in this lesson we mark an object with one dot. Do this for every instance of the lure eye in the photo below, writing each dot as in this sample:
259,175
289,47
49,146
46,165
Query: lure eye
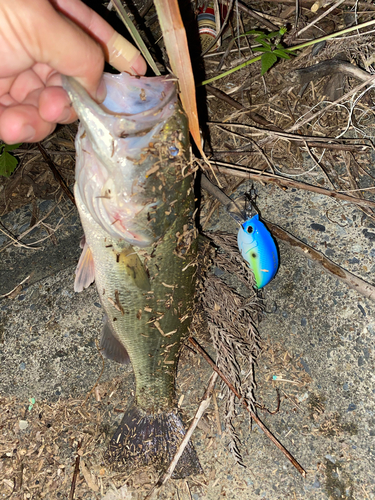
249,229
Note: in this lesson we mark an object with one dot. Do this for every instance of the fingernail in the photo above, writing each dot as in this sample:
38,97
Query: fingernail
27,134
102,91
134,71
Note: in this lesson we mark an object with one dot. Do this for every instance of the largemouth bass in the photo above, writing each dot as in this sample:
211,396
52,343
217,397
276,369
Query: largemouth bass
135,198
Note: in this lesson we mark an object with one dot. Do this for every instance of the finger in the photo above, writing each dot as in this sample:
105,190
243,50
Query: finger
22,123
55,106
119,52
49,37
7,100
5,85
25,83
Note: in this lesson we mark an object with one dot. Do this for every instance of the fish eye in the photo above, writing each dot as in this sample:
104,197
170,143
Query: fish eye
249,229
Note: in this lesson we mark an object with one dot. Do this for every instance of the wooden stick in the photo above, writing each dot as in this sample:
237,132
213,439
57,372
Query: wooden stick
198,415
256,175
346,277
266,431
56,173
76,472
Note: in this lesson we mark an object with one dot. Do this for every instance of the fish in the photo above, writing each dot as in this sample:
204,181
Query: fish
258,248
135,196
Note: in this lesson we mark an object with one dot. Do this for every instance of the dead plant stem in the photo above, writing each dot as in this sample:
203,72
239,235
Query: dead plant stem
198,415
266,431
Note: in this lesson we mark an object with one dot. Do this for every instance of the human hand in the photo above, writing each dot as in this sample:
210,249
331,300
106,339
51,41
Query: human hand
40,41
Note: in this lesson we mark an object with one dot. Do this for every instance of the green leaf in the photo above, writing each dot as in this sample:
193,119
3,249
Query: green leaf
8,164
262,49
281,53
265,44
283,30
273,34
268,60
10,147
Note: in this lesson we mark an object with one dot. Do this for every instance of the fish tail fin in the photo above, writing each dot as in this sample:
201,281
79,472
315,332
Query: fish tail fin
152,439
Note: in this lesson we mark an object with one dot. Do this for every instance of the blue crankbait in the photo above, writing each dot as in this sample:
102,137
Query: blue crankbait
258,248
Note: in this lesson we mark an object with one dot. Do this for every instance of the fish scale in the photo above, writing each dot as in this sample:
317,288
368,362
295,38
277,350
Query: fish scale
134,193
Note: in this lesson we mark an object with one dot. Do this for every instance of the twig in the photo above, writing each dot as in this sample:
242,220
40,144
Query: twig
17,241
76,471
198,415
309,117
263,155
250,173
309,3
15,288
350,279
317,142
35,152
266,431
324,14
272,131
56,173
217,414
271,412
255,15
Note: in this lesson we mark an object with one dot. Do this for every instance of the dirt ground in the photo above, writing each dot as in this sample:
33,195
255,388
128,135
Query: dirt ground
315,370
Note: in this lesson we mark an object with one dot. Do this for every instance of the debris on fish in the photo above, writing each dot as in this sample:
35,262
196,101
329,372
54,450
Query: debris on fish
258,248
134,192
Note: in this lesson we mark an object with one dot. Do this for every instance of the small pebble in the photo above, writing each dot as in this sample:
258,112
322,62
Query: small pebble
316,484
318,227
23,424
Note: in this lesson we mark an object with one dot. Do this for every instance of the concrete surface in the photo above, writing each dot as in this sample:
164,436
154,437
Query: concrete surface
318,337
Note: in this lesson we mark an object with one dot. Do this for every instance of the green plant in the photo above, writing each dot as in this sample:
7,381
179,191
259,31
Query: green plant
292,49
8,162
270,46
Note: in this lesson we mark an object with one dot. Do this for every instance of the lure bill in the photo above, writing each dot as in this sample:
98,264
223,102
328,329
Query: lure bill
135,197
258,248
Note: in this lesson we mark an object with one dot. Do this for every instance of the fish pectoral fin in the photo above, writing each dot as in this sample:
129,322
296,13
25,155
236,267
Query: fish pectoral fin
134,268
85,272
111,346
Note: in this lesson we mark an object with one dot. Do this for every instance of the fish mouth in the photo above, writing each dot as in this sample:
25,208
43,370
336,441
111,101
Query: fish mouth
133,107
112,149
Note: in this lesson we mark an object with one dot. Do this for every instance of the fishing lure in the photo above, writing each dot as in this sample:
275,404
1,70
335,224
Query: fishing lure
254,240
258,248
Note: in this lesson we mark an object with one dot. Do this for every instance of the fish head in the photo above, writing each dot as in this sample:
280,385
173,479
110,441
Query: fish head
115,151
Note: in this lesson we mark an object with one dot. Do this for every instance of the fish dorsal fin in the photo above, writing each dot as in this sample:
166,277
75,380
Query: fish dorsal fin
111,347
134,268
85,272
